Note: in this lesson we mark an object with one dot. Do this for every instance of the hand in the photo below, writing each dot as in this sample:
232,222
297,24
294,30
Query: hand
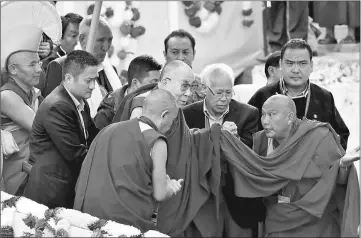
350,157
174,185
44,49
231,127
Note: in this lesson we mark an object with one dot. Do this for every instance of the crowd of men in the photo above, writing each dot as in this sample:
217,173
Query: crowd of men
171,150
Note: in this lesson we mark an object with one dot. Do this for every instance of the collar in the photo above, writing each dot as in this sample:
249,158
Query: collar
60,52
208,115
285,90
79,105
100,67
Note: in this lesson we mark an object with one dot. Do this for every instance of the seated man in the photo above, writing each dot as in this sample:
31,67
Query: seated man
142,70
61,134
310,188
137,175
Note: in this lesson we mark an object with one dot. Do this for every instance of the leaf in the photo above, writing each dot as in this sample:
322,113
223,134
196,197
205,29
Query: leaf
30,221
97,225
11,202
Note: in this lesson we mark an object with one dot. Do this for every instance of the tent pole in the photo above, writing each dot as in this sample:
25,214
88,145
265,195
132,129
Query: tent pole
94,26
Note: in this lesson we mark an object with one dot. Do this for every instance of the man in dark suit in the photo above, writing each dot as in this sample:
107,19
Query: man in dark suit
108,79
241,120
312,101
61,134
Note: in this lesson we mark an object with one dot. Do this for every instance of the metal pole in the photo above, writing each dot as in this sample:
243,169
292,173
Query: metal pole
94,26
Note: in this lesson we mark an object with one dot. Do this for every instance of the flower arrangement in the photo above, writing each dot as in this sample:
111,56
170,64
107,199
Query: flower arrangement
204,16
22,217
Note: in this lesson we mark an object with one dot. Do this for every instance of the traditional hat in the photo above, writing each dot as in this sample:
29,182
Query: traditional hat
22,25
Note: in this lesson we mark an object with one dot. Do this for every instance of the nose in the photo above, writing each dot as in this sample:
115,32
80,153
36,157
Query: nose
92,84
181,56
38,68
188,92
295,68
106,46
264,120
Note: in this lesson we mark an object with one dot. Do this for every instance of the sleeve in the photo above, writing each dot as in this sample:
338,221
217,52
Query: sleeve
105,112
137,102
339,125
249,128
63,128
54,77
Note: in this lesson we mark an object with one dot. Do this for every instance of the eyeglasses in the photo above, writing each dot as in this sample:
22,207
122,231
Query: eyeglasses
227,93
33,65
186,86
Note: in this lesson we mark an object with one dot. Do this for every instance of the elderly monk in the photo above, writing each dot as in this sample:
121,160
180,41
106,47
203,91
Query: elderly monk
310,188
126,185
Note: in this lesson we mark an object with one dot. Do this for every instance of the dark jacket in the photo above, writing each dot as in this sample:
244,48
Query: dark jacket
322,108
57,149
54,77
246,212
57,52
108,107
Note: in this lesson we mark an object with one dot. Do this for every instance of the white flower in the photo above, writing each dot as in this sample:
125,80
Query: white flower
128,15
79,232
153,233
116,229
27,206
19,225
203,14
7,216
76,218
63,224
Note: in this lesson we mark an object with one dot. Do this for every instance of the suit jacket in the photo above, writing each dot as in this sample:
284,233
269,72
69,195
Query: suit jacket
322,108
56,53
54,76
57,149
246,212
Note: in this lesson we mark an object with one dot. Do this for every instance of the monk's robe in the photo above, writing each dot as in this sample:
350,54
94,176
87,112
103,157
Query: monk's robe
195,156
305,168
115,182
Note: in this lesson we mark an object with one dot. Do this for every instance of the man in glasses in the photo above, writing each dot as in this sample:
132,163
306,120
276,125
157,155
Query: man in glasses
240,119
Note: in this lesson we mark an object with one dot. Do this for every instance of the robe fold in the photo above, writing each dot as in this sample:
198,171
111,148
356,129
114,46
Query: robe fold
195,156
115,182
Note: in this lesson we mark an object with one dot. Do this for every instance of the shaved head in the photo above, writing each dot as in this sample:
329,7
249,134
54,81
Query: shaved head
177,78
161,108
284,103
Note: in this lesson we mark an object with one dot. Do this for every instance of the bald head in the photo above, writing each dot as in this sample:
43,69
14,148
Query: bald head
103,37
284,103
177,78
161,108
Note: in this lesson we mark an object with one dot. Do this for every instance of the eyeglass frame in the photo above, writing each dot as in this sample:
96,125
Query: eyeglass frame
224,93
191,87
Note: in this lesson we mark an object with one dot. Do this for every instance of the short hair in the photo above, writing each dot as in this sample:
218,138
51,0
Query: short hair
215,70
296,44
272,60
86,22
182,34
76,61
140,66
67,19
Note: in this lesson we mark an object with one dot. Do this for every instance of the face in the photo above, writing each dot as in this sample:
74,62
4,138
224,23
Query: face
219,94
296,67
103,41
82,86
275,74
180,84
180,48
152,77
70,38
276,122
26,67
167,119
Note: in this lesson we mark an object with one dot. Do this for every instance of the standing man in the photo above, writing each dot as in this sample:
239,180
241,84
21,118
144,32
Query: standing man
272,68
142,70
61,134
311,100
139,159
108,79
218,107
69,38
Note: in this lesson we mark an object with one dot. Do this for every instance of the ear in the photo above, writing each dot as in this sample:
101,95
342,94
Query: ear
165,55
312,65
270,70
164,114
134,82
82,41
280,63
290,116
194,53
68,77
12,69
164,81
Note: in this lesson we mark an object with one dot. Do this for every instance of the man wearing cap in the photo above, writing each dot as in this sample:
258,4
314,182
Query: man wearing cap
19,97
